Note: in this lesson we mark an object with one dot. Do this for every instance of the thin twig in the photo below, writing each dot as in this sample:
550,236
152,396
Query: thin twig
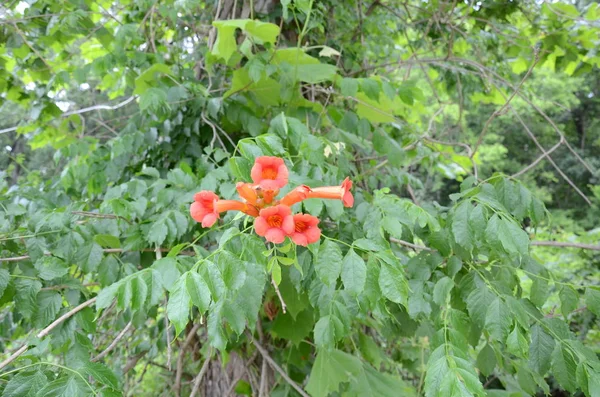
180,358
106,251
84,110
283,306
113,343
277,368
203,370
505,106
47,330
411,245
566,245
536,162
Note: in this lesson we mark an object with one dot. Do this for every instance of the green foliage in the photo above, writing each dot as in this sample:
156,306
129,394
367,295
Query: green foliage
432,284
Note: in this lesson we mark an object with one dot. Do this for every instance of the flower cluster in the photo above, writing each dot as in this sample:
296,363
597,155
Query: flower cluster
274,219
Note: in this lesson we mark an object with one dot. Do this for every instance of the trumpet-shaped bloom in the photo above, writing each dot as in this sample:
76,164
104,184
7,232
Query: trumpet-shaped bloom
335,192
269,172
207,207
295,196
305,229
274,223
247,192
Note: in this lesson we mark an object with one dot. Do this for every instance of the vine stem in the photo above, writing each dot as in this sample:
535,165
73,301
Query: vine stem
47,330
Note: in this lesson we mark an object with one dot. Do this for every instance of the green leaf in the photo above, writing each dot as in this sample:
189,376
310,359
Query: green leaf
169,273
393,283
486,360
48,305
4,279
102,374
498,319
354,272
89,256
592,300
349,87
297,330
461,227
442,289
225,45
178,306
25,384
539,291
139,293
325,331
540,350
106,296
328,262
26,296
66,386
478,302
331,368
107,240
564,368
51,267
513,238
569,300
198,291
158,232
263,32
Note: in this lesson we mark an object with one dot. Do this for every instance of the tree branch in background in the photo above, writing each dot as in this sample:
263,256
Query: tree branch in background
504,107
277,368
113,343
198,379
181,357
47,330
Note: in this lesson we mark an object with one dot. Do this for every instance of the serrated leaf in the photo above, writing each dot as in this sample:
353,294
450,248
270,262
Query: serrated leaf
102,374
4,279
48,305
442,290
25,384
107,240
564,368
461,229
569,299
51,267
393,283
331,368
66,386
354,272
89,256
540,350
178,306
486,360
478,302
158,232
592,300
26,296
198,291
328,262
498,319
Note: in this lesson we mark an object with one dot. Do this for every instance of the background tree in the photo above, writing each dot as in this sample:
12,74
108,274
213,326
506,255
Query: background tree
467,266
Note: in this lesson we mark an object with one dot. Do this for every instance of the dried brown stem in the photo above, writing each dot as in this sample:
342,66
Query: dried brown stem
180,358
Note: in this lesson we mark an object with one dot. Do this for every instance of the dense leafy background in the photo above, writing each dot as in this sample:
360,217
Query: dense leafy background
470,130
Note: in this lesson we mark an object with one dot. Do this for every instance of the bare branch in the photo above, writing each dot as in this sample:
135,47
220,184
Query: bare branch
411,245
47,330
505,106
536,162
283,306
113,343
180,358
277,368
566,245
203,370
